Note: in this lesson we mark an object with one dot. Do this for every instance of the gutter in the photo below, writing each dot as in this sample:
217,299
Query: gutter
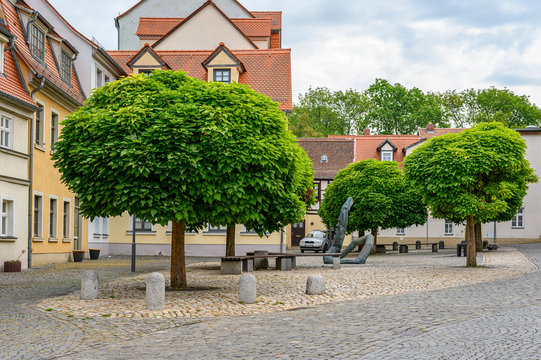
31,174
35,15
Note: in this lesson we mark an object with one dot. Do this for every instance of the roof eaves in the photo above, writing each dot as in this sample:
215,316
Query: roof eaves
113,62
414,144
144,49
129,10
228,52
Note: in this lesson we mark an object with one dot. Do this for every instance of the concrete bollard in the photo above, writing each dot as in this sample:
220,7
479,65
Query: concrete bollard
89,285
247,288
315,285
336,264
155,292
261,263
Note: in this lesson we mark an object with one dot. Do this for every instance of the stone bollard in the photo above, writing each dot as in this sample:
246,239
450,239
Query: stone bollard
395,246
261,263
336,263
442,244
315,285
89,285
434,247
247,288
417,245
155,292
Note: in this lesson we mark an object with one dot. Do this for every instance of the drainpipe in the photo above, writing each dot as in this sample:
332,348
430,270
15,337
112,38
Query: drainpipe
34,18
31,174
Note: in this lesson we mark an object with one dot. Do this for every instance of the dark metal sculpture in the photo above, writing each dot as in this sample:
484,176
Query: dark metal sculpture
338,241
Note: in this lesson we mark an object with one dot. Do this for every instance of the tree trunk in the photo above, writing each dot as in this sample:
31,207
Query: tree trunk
178,262
375,235
230,241
479,237
470,240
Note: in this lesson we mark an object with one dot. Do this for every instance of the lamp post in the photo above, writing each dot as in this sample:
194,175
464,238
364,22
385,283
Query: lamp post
133,246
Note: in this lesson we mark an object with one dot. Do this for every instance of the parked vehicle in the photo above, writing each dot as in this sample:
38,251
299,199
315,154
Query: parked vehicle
317,240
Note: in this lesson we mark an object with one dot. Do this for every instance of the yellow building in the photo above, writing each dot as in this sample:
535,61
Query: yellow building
46,62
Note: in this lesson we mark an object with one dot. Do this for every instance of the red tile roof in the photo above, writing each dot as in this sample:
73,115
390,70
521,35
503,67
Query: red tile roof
267,71
366,146
49,69
11,84
159,26
275,16
339,154
423,133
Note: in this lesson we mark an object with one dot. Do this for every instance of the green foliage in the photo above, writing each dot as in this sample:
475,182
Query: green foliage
169,147
480,172
321,112
381,197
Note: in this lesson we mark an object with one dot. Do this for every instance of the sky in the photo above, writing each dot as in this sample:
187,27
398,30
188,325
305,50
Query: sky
433,45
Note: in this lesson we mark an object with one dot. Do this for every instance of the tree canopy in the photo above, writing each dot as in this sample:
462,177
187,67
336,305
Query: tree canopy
167,147
381,197
478,175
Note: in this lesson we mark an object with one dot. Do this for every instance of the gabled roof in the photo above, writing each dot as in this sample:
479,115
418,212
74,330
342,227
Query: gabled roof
423,133
48,69
274,16
144,50
366,146
386,141
339,153
268,71
192,15
159,26
222,48
140,2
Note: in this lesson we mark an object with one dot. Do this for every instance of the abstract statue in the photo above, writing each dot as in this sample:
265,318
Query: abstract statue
341,229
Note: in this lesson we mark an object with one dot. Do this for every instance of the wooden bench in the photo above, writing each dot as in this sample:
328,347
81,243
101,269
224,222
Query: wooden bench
235,265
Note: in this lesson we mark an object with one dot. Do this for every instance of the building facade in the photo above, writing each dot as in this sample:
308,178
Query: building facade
212,41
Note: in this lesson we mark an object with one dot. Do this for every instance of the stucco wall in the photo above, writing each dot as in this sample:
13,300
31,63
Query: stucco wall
127,24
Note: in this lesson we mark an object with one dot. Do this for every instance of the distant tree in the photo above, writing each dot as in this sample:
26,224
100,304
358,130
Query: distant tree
393,109
382,198
299,124
478,175
166,147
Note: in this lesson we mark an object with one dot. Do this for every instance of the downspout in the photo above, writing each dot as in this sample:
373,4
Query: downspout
34,18
31,174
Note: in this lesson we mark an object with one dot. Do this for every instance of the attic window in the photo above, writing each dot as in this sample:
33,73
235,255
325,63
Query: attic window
324,158
37,43
65,67
222,75
387,156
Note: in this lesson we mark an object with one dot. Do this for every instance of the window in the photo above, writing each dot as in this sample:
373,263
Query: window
400,231
222,75
66,220
100,226
39,125
386,156
65,67
52,217
146,71
142,225
99,78
6,226
216,229
518,220
38,213
324,158
448,228
54,128
107,79
6,130
245,230
37,43
2,57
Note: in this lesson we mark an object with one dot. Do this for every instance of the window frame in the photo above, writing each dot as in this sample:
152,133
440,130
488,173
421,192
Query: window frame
66,64
66,219
54,127
35,28
215,229
518,218
38,217
386,152
53,217
39,125
400,231
2,56
7,228
221,72
6,132
446,225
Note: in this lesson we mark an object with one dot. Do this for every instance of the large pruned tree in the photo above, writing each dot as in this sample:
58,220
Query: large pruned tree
478,175
382,198
167,147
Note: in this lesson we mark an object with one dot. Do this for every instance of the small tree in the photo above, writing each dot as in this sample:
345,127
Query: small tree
166,147
381,198
478,175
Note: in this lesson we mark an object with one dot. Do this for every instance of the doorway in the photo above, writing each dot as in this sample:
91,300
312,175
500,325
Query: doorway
297,233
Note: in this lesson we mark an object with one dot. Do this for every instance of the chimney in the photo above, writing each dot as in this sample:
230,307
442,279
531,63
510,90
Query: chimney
366,132
430,128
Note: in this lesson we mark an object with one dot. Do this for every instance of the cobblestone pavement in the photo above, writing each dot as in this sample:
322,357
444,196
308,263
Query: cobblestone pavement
493,320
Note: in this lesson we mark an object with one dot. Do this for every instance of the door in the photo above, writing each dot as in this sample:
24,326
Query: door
297,233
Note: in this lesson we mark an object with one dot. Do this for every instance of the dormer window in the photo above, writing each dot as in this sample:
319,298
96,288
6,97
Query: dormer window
386,156
145,71
65,67
222,75
2,56
37,43
324,158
